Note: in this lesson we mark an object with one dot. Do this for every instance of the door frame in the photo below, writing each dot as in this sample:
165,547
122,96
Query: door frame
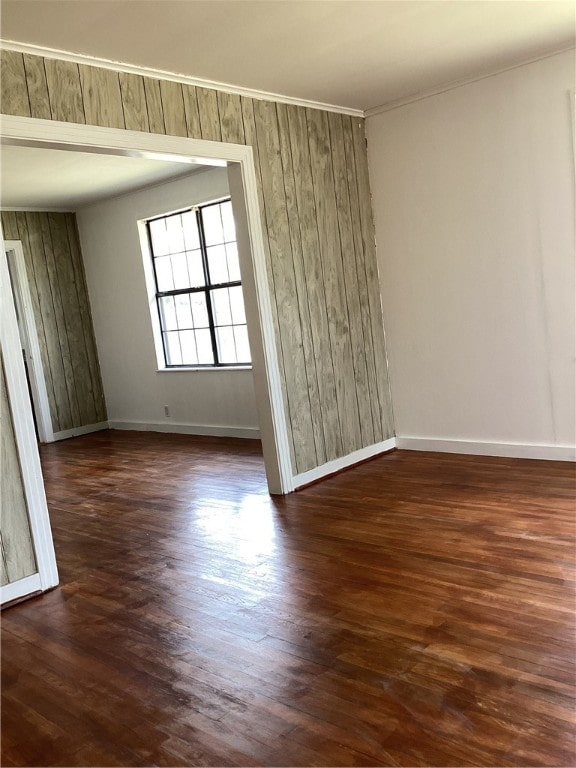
25,131
23,300
25,435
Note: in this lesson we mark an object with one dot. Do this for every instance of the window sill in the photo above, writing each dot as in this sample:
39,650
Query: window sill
204,369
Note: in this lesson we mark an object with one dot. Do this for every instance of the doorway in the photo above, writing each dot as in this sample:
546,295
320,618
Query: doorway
242,181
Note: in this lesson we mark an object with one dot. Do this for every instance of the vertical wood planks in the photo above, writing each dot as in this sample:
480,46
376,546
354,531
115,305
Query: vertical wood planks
361,279
80,386
154,105
84,309
37,87
17,548
230,112
14,92
312,262
193,128
267,136
134,102
173,108
330,249
350,276
102,97
39,284
373,284
209,115
64,91
310,356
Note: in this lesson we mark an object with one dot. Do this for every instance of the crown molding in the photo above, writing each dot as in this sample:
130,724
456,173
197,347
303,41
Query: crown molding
453,84
161,74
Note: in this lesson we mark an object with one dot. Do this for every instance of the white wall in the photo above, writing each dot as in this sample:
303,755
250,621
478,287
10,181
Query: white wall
215,402
473,194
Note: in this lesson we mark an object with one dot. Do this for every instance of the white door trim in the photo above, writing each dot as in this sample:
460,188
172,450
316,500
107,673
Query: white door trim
25,131
35,369
24,433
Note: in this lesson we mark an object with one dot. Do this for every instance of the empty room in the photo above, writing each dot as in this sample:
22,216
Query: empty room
288,432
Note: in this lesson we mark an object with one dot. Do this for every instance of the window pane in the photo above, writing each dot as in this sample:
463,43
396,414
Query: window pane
221,307
204,346
228,221
168,313
217,266
183,311
233,263
242,346
180,271
237,305
226,346
188,345
173,352
190,227
195,269
175,233
199,310
212,225
164,273
159,237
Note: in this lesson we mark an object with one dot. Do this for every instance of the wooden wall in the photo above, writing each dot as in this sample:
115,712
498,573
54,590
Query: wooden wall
317,219
62,313
16,550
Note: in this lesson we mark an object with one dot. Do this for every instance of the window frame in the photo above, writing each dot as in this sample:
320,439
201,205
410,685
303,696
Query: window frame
206,289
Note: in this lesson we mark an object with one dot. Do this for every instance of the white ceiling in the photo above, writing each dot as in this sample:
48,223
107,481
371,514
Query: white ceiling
50,179
352,53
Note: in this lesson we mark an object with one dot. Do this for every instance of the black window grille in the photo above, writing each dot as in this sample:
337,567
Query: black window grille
198,287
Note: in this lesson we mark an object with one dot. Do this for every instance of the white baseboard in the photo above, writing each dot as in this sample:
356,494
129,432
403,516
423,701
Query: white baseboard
331,467
476,448
186,429
77,431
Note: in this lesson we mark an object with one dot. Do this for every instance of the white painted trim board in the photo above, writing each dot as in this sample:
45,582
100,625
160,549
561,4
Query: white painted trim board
64,434
161,74
21,588
345,462
186,429
480,448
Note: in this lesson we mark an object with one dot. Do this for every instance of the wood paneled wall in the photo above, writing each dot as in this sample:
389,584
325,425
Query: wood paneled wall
316,212
62,313
16,550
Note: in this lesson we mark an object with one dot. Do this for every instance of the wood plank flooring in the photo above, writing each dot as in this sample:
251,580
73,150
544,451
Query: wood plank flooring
415,611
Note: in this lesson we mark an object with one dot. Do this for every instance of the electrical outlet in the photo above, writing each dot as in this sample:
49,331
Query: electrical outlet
166,411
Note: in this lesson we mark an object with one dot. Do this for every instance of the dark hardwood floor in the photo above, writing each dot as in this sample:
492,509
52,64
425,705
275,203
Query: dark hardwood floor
417,610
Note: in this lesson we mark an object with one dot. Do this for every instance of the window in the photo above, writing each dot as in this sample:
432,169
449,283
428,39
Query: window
198,288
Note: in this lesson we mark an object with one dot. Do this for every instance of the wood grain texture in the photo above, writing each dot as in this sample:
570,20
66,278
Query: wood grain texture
272,178
14,91
416,610
332,270
134,102
230,113
350,278
318,236
17,550
173,108
62,314
37,87
154,105
101,96
65,91
371,270
190,97
209,115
